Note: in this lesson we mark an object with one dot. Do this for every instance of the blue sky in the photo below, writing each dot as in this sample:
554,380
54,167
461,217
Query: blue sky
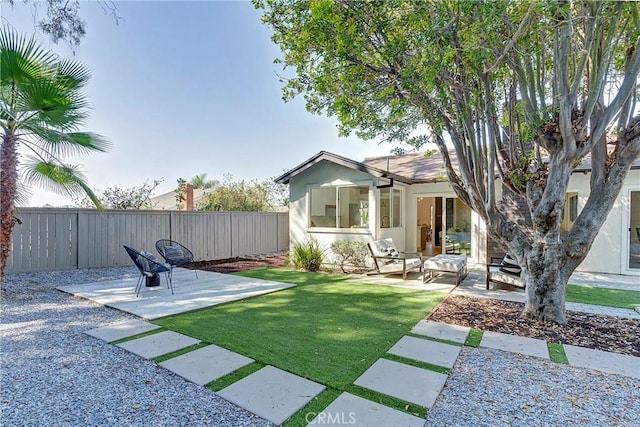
182,88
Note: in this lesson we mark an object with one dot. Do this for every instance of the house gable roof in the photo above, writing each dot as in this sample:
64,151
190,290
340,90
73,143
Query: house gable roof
342,161
412,168
417,167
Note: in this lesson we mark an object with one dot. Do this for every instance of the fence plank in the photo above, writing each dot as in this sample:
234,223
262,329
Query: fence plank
283,232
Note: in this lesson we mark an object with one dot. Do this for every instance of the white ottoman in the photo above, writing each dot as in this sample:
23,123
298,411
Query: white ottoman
445,263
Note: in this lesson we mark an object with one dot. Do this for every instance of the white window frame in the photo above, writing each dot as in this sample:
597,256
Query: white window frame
391,215
337,187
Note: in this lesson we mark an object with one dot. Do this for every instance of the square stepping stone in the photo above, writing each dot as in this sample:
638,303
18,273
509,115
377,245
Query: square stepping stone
272,393
158,344
405,382
605,361
122,330
436,353
348,409
206,364
441,331
515,344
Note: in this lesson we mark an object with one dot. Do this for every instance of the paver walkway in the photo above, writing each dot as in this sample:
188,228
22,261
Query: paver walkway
206,364
433,352
276,395
272,393
406,382
352,410
515,344
122,330
158,344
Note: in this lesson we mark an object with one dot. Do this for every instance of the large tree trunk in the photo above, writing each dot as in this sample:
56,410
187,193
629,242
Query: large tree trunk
545,260
8,185
546,275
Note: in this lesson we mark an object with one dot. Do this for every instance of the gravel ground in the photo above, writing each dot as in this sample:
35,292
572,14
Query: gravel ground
52,374
495,388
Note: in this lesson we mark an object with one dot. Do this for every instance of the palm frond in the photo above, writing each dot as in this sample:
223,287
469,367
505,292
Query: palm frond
51,104
72,74
21,58
57,177
22,194
60,144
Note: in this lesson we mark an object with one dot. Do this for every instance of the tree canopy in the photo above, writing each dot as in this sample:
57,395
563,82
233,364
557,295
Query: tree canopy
230,195
522,90
123,198
61,20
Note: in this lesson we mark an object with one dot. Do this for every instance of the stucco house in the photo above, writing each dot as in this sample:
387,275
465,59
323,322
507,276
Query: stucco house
409,199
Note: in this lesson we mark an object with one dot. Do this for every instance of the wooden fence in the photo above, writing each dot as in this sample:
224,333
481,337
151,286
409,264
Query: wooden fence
63,239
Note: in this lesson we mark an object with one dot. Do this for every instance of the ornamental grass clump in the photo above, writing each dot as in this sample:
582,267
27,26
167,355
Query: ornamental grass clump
307,255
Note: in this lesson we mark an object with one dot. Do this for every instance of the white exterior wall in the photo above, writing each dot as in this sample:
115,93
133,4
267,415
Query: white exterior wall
609,253
327,173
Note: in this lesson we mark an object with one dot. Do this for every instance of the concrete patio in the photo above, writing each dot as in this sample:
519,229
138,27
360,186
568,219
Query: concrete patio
190,293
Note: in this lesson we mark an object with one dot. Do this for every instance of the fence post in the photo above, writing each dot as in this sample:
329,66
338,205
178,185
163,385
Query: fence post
83,234
171,220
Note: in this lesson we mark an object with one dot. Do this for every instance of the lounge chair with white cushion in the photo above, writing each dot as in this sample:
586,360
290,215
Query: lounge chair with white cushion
388,260
507,271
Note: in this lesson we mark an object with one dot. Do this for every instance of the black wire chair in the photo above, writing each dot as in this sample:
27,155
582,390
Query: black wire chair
175,254
148,267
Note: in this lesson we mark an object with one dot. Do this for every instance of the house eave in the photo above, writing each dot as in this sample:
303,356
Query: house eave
342,161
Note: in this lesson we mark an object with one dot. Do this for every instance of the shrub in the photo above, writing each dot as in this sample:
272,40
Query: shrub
307,255
350,253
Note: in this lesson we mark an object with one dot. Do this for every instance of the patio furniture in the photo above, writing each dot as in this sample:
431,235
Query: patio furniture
445,263
449,243
504,270
388,260
175,254
149,266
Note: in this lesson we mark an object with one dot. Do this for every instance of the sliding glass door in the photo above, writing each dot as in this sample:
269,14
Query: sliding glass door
634,230
457,227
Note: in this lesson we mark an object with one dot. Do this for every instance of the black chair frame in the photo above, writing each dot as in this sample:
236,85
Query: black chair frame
187,258
153,267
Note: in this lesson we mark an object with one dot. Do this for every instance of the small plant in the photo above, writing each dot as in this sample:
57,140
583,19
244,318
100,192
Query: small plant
307,255
350,253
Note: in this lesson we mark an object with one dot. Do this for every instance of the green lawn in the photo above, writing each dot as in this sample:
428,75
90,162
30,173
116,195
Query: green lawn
600,296
326,329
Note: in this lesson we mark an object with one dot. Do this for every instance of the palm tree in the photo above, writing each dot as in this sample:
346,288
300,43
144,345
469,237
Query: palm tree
41,108
201,181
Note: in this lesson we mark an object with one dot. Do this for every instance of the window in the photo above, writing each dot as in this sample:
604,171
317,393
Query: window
573,207
390,208
339,207
570,211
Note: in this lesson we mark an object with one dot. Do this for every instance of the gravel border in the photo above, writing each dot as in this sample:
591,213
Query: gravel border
488,387
52,374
